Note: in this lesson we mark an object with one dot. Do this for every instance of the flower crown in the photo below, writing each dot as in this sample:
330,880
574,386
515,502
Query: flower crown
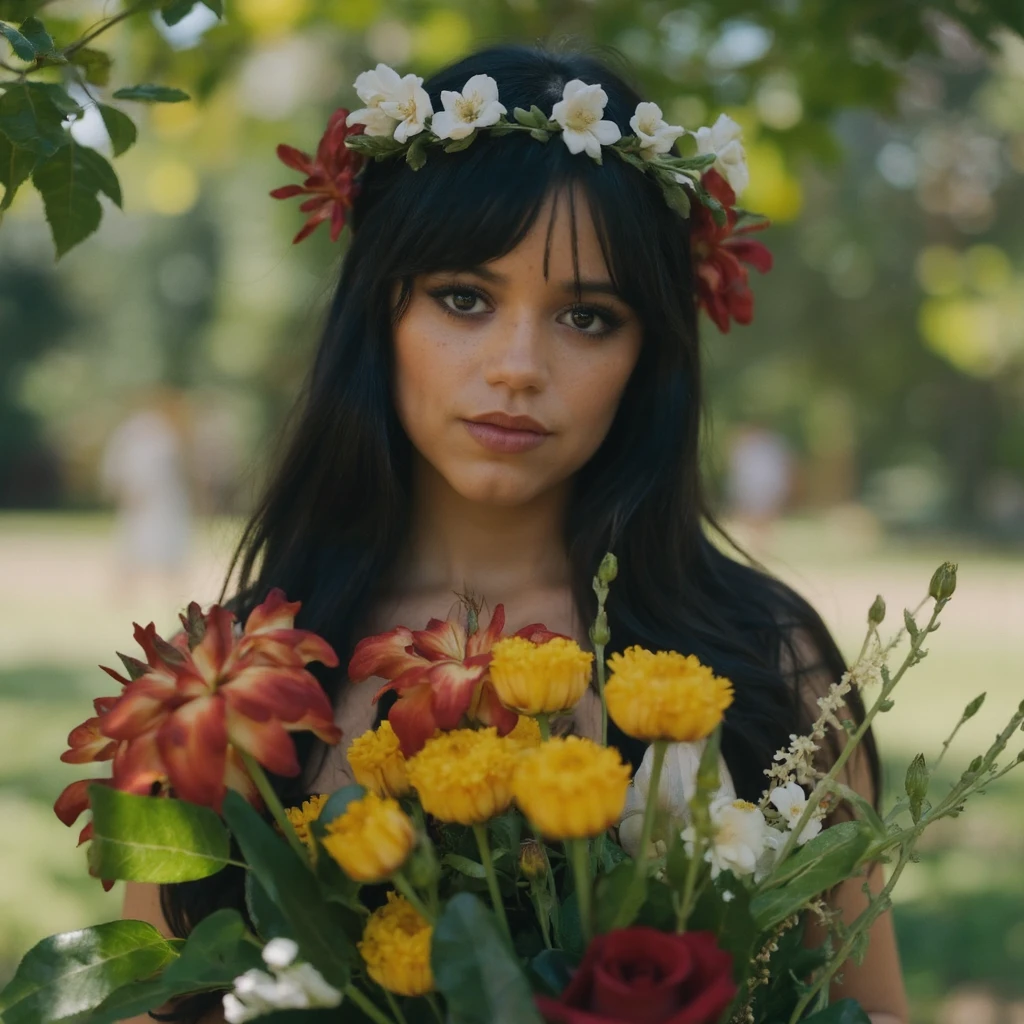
399,120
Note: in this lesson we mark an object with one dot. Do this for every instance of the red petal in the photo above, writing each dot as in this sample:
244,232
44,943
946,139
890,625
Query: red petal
286,191
484,639
718,187
266,741
213,653
442,639
141,707
489,710
138,764
453,685
86,743
193,743
295,158
73,800
301,645
270,691
538,633
311,224
412,718
387,655
238,779
759,256
276,612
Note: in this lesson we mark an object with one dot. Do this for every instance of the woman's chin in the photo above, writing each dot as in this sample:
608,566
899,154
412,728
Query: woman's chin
498,485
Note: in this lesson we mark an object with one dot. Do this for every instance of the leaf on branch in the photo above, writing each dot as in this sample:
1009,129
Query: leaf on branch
150,839
22,47
173,12
464,866
35,32
69,182
31,119
974,707
217,6
16,165
912,627
149,93
96,64
67,975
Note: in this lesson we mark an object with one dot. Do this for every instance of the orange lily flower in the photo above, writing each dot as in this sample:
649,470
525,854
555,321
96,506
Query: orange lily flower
197,703
440,674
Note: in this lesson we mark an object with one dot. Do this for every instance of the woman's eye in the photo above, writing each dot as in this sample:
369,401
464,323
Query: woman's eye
583,319
462,300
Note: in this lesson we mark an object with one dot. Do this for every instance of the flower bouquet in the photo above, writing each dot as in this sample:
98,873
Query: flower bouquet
482,868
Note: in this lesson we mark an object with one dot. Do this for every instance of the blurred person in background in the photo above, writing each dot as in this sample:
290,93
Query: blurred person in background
759,481
144,471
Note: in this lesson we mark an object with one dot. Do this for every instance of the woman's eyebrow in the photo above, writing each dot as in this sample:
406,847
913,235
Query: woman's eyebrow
605,287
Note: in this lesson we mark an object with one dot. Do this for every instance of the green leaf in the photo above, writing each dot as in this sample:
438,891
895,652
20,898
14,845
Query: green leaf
215,954
173,12
314,923
728,916
864,808
66,975
16,165
96,63
474,970
149,839
22,47
416,154
35,32
217,6
848,1011
455,145
336,806
149,93
120,127
269,921
617,904
30,119
827,859
464,865
554,968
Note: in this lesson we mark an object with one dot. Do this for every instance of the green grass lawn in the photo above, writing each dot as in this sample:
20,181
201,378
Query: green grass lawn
959,912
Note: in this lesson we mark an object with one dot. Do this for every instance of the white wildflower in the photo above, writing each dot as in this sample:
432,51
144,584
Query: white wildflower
676,788
656,135
579,113
289,986
476,106
395,105
723,139
790,801
728,896
739,834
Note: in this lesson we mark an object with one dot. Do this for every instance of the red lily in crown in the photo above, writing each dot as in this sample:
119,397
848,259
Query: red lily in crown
719,253
440,675
187,714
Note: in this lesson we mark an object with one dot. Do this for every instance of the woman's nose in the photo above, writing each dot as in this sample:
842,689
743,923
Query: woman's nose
515,352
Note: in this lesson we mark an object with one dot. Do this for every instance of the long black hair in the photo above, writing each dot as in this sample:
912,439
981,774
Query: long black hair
335,513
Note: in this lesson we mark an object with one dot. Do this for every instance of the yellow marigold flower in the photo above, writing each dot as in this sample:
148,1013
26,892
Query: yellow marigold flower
396,948
302,817
539,679
464,776
378,763
571,788
526,734
372,839
665,696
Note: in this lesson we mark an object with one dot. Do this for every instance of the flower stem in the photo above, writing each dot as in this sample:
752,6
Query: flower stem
480,831
579,852
601,671
432,1003
404,886
544,722
367,1005
395,1008
273,802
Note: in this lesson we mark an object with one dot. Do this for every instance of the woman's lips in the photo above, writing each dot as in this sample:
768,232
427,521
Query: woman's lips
508,440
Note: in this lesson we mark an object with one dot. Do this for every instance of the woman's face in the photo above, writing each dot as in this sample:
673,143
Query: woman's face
503,383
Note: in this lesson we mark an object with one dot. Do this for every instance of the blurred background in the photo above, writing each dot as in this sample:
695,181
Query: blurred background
867,426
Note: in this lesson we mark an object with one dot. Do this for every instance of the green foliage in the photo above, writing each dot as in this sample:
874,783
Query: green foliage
149,93
723,907
291,887
21,45
474,969
154,840
845,1012
120,127
64,976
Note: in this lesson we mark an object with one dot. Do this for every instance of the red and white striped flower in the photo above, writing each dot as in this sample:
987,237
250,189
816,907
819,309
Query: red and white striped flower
186,715
440,674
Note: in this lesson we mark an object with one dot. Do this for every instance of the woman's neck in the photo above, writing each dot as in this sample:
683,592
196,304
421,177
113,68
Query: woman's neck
491,551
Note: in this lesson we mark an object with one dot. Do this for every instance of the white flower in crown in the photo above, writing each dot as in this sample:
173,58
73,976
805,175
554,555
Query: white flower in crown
790,801
723,139
579,113
740,836
476,106
655,134
395,105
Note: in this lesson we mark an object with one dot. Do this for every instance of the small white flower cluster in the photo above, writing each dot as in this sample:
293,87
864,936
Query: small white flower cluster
742,841
288,986
399,107
790,801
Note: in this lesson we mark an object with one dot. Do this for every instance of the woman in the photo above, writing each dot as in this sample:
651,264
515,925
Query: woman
508,385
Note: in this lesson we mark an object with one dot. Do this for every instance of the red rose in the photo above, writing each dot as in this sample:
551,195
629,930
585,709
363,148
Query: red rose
643,976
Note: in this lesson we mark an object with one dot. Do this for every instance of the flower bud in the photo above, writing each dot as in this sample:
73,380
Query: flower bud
422,868
608,569
974,707
917,785
532,861
876,613
943,582
600,634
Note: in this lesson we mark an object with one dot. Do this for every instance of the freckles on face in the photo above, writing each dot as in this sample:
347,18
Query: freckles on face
505,384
